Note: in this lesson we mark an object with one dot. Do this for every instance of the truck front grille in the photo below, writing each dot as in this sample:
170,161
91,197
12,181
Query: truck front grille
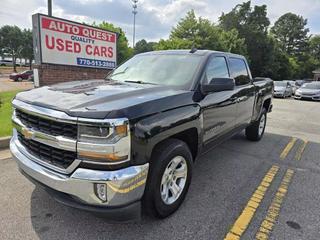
54,156
48,126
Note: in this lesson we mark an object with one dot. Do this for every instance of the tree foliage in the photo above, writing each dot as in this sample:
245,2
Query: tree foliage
11,42
202,34
144,46
291,32
314,47
252,25
27,46
283,51
124,52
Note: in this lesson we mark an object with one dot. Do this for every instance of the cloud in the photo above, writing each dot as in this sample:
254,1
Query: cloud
155,18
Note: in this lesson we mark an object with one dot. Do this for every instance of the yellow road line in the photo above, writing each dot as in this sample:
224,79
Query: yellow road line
274,209
248,212
287,149
301,150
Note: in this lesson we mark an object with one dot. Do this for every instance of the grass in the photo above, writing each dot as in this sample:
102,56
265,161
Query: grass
6,112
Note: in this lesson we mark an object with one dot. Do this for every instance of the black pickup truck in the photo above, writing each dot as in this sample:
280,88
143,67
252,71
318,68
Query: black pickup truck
127,143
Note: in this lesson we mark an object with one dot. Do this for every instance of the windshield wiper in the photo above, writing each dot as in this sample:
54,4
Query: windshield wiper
110,75
140,82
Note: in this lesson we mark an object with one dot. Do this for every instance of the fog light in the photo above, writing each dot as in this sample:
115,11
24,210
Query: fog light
101,191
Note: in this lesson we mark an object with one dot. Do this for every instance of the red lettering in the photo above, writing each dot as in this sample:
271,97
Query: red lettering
104,51
49,46
68,46
99,35
96,51
89,49
63,45
110,52
60,45
76,29
77,47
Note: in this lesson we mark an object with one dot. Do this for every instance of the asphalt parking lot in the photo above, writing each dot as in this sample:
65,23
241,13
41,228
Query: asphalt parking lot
249,190
7,84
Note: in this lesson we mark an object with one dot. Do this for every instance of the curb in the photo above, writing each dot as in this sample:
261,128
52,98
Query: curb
4,142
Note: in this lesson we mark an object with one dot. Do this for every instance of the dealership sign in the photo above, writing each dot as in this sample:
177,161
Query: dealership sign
58,41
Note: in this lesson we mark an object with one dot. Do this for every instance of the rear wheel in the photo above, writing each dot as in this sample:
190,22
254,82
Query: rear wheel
169,178
256,130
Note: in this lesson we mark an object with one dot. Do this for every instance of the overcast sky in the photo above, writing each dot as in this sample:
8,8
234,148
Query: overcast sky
155,17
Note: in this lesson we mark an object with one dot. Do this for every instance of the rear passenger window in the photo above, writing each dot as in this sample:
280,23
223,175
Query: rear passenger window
216,68
239,71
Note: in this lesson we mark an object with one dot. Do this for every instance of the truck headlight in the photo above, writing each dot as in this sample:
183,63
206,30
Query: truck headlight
100,134
104,144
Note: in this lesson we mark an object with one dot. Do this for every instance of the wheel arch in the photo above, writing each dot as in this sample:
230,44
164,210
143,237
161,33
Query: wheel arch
182,123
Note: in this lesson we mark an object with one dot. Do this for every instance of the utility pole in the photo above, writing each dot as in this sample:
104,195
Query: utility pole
49,7
134,11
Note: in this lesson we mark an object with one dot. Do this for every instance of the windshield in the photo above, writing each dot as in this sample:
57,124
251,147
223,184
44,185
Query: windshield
311,86
172,70
280,84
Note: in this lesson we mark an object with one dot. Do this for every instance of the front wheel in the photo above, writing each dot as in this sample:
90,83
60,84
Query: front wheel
255,131
169,178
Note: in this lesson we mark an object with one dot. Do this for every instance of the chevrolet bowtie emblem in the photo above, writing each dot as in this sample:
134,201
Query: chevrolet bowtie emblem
27,133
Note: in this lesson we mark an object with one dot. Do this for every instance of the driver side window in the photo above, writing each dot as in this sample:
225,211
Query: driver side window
216,68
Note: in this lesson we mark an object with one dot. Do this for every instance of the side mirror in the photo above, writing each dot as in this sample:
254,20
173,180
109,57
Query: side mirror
218,85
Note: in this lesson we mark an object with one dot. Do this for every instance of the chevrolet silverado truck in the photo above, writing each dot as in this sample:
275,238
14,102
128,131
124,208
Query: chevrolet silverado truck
126,144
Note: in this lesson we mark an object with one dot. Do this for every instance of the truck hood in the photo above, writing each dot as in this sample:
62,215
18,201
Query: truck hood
107,99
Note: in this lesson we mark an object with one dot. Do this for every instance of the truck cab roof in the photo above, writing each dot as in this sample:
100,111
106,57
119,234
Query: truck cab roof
188,52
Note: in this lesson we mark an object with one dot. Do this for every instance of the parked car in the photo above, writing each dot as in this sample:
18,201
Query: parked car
25,75
282,89
309,91
6,63
31,78
293,86
112,146
299,83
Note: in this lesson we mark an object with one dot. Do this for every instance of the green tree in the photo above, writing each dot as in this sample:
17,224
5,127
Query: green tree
291,32
144,46
27,46
277,65
11,42
173,43
187,28
124,52
232,42
202,34
252,25
314,46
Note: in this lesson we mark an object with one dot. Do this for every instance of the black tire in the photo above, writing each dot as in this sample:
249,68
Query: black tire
163,154
252,131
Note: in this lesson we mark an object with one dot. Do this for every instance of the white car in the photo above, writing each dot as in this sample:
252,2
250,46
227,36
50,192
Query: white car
309,91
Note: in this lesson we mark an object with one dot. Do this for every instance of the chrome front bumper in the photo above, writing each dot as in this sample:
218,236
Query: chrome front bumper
124,186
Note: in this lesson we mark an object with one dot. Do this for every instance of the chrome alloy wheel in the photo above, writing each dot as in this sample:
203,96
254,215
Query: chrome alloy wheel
173,180
262,124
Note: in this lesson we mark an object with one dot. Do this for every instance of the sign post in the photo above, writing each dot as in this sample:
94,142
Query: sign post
72,47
